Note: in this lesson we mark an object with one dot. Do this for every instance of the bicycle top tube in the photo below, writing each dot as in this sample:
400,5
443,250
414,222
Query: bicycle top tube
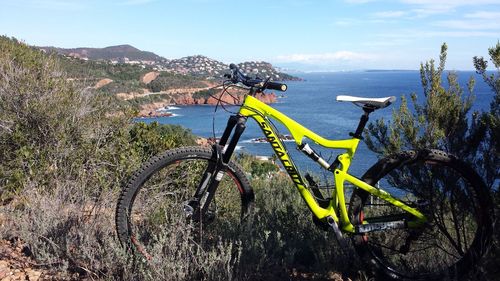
252,106
298,131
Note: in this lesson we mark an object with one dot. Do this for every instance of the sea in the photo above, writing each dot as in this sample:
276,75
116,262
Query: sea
312,103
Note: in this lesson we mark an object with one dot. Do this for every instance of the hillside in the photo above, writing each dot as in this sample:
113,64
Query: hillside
148,86
197,66
144,88
202,66
118,54
264,70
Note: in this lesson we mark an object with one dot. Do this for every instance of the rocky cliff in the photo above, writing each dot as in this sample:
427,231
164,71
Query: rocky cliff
190,99
153,109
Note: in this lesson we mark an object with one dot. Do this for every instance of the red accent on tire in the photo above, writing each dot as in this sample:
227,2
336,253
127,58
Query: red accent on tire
140,248
237,182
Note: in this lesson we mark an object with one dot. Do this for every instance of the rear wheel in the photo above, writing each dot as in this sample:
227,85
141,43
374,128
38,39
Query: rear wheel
154,215
453,198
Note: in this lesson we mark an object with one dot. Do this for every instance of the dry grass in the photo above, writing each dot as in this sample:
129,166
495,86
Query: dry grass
73,231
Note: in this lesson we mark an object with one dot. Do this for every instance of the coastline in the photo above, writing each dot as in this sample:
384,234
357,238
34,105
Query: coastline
161,108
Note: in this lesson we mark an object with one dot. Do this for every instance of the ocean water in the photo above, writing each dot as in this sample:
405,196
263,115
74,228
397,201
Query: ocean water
312,103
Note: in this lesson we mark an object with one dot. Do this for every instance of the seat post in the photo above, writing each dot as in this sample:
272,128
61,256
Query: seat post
362,122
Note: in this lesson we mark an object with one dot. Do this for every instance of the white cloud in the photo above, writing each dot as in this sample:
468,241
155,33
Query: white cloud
425,8
450,3
64,5
430,11
390,14
388,42
346,22
477,25
136,2
359,1
464,33
484,15
412,35
344,56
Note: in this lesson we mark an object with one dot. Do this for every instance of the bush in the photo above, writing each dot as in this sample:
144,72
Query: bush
64,153
50,130
442,120
151,139
166,81
255,167
283,239
205,94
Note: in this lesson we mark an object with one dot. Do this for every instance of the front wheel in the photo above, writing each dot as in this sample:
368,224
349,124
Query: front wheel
450,194
154,212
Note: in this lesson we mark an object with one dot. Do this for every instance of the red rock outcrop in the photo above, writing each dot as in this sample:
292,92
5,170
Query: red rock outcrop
188,99
150,109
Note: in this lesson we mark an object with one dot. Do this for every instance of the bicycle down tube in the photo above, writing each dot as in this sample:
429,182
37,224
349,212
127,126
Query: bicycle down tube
260,112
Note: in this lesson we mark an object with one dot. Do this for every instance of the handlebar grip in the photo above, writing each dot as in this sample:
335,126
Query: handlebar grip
276,86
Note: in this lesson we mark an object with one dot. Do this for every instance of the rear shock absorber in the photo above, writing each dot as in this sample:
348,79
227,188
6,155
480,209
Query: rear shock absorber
307,150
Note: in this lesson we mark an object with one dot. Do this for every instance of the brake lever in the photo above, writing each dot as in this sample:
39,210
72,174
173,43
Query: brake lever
265,83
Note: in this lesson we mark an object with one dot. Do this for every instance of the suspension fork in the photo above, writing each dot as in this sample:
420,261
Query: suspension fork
221,155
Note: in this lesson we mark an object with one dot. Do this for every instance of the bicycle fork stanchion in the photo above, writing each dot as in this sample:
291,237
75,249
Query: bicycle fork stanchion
231,122
228,150
222,153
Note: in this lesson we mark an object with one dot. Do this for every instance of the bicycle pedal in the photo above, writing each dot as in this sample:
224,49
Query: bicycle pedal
209,217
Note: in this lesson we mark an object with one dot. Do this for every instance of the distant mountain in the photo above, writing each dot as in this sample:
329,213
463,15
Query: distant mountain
120,53
207,67
196,65
199,66
264,70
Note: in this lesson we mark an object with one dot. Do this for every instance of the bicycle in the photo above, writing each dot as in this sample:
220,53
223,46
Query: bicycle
435,224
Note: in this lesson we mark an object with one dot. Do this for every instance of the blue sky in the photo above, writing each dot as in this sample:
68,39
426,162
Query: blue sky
300,34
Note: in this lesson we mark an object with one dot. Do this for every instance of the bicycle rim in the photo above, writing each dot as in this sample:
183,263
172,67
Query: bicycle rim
159,226
447,244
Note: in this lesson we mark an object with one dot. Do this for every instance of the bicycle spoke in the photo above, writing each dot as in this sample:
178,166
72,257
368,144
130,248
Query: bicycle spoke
443,195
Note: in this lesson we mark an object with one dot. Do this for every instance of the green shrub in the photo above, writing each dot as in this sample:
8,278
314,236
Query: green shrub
51,131
256,168
282,237
205,93
151,139
166,81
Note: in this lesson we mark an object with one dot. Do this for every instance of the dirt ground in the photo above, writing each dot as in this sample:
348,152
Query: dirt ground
16,264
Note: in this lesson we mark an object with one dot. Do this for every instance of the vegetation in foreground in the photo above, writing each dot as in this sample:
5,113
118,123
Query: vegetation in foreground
65,152
441,121
64,155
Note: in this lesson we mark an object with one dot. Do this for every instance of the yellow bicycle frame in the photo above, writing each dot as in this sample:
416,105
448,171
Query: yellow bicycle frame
260,112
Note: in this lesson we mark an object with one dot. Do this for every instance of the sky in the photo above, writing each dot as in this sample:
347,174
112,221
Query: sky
307,35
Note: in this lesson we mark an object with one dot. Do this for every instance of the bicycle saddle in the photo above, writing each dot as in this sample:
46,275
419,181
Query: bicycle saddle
375,103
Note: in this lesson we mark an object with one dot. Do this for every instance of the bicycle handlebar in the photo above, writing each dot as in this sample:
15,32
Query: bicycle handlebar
238,76
276,86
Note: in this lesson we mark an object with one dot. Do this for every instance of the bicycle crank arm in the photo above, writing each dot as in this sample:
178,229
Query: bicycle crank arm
336,230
